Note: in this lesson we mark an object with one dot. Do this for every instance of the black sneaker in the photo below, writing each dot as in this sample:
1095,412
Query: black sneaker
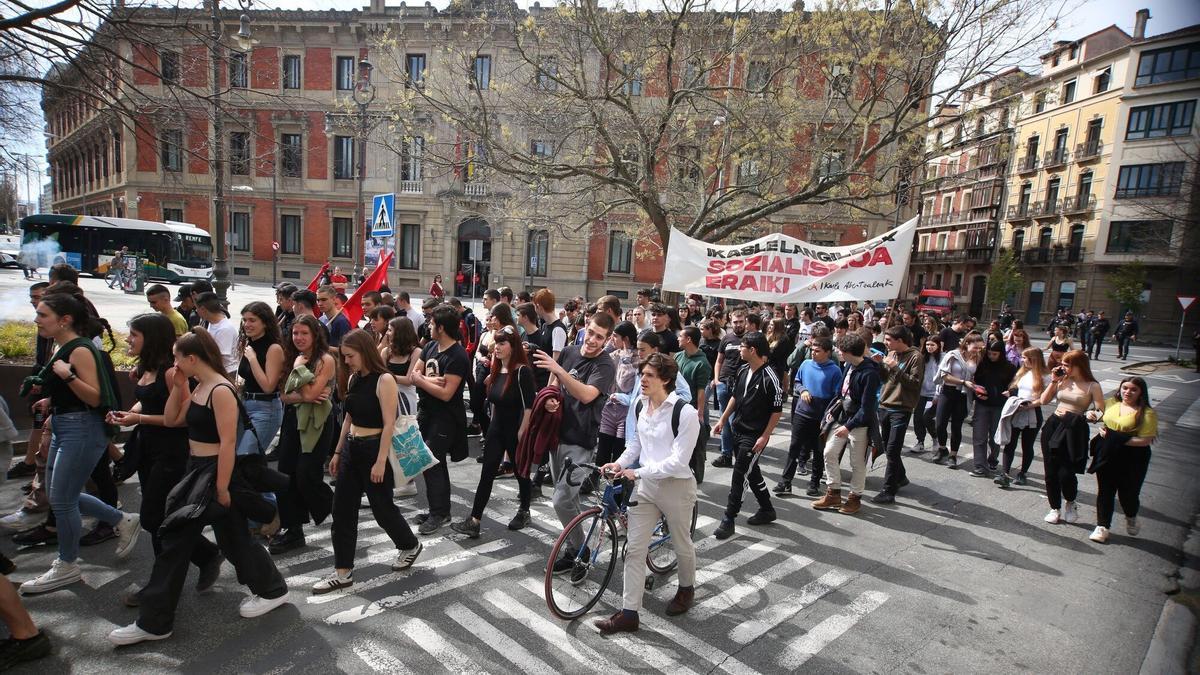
813,491
36,537
782,488
723,462
724,530
468,526
101,534
7,566
432,524
14,651
942,455
952,462
21,470
804,469
1019,480
285,541
566,561
420,518
979,473
762,517
884,497
519,521
904,481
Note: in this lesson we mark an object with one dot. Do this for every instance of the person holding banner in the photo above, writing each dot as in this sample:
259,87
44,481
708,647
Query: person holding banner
360,463
753,411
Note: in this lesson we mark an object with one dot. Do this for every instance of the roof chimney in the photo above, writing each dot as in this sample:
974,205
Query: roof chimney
1139,24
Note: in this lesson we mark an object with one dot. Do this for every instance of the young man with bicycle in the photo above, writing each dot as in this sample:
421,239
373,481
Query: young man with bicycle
755,405
665,487
585,373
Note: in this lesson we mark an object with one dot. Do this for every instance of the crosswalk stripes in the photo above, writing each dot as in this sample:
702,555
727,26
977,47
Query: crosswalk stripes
377,657
549,631
434,644
801,649
498,641
781,611
729,597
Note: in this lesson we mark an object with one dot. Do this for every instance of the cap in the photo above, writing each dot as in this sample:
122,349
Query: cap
185,291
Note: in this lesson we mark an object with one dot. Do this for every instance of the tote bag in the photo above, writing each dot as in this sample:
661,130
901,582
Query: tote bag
409,456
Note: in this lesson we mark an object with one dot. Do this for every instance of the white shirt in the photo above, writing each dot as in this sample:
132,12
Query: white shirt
415,315
226,335
653,447
1025,385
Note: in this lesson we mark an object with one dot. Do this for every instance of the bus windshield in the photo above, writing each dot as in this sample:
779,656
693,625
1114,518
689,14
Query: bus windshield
936,301
194,251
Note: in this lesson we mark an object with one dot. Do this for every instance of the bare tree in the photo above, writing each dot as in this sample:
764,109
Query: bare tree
720,121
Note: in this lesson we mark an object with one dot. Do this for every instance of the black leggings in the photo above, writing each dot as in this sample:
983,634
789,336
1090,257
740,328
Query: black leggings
806,432
1121,477
1026,437
951,411
500,440
308,495
1061,482
924,422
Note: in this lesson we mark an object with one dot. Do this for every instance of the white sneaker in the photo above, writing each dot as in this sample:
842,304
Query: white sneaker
409,490
255,606
1132,527
918,448
127,534
1070,514
407,557
333,582
21,520
133,634
1099,535
1052,517
61,573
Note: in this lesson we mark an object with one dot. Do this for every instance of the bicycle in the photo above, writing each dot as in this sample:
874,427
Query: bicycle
573,593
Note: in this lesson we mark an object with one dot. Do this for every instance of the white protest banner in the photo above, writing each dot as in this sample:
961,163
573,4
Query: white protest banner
779,268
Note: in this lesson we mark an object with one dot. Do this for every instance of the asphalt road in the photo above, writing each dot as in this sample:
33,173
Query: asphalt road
957,576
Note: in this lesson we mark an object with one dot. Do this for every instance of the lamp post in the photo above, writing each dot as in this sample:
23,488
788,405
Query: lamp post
220,262
364,95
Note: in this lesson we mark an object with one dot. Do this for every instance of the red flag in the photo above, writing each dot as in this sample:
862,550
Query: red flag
353,308
316,282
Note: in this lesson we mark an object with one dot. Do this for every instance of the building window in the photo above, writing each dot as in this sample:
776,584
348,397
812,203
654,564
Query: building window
633,80
481,73
620,253
688,167
747,171
168,66
1103,81
410,246
240,230
839,82
1168,65
411,153
1018,242
538,252
1084,189
1139,236
1068,92
1074,51
343,157
541,149
239,73
1066,294
631,161
1150,180
758,74
343,235
345,73
1052,194
172,150
476,160
116,147
169,213
291,71
289,234
239,153
547,74
1157,121
293,155
1039,102
414,70
832,163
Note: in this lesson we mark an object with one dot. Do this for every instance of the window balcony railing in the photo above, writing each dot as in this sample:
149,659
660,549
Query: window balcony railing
475,189
1027,164
1079,204
412,187
948,255
1056,158
1049,208
1086,152
1036,256
1070,254
1020,211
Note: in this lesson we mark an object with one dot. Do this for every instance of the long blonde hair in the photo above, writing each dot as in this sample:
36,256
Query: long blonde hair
1039,369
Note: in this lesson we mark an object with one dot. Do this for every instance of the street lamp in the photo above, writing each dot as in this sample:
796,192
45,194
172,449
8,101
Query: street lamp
363,95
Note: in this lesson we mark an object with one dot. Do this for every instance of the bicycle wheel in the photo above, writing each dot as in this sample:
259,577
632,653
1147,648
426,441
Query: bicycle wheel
571,593
661,558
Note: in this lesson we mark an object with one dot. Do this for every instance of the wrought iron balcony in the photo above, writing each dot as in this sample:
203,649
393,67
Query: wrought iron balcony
1056,158
1079,204
1027,164
1019,211
1086,152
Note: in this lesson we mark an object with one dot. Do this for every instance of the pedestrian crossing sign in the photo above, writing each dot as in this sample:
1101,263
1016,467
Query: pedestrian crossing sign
383,207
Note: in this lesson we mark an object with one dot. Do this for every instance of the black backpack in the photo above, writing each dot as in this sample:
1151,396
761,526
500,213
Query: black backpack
698,453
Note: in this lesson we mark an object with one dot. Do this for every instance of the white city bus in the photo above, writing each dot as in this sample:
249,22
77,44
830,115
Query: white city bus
173,252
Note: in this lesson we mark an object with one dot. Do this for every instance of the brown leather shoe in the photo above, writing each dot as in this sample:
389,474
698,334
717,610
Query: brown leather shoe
852,505
682,602
831,500
617,623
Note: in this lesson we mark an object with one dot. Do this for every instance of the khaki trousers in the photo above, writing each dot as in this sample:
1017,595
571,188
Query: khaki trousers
856,448
674,498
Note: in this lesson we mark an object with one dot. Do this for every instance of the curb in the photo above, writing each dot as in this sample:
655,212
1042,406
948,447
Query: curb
1173,647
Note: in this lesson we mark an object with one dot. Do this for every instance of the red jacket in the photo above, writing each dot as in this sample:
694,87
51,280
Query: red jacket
542,435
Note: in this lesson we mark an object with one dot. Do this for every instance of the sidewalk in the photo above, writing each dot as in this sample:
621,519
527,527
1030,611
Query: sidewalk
1173,649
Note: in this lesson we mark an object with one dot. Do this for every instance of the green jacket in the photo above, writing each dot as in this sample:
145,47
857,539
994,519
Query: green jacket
310,417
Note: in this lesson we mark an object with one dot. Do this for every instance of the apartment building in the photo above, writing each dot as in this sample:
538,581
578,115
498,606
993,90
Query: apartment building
1104,139
963,191
291,133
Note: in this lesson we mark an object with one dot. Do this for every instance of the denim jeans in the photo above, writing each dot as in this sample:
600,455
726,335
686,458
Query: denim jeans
893,426
76,444
724,393
266,416
983,432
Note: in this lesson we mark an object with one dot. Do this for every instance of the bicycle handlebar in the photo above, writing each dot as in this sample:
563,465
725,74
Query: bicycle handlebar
569,467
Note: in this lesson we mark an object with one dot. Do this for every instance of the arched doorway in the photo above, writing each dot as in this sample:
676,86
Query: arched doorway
473,257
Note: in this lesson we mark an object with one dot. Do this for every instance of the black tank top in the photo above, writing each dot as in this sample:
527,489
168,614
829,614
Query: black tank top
202,420
153,398
59,390
362,404
249,382
400,369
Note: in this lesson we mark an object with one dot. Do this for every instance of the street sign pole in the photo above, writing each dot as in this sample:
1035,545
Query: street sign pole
1185,301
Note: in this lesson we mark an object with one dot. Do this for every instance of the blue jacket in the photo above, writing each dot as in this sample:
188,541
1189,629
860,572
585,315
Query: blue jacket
863,404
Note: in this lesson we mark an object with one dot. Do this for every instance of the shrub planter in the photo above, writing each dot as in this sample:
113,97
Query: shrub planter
13,374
